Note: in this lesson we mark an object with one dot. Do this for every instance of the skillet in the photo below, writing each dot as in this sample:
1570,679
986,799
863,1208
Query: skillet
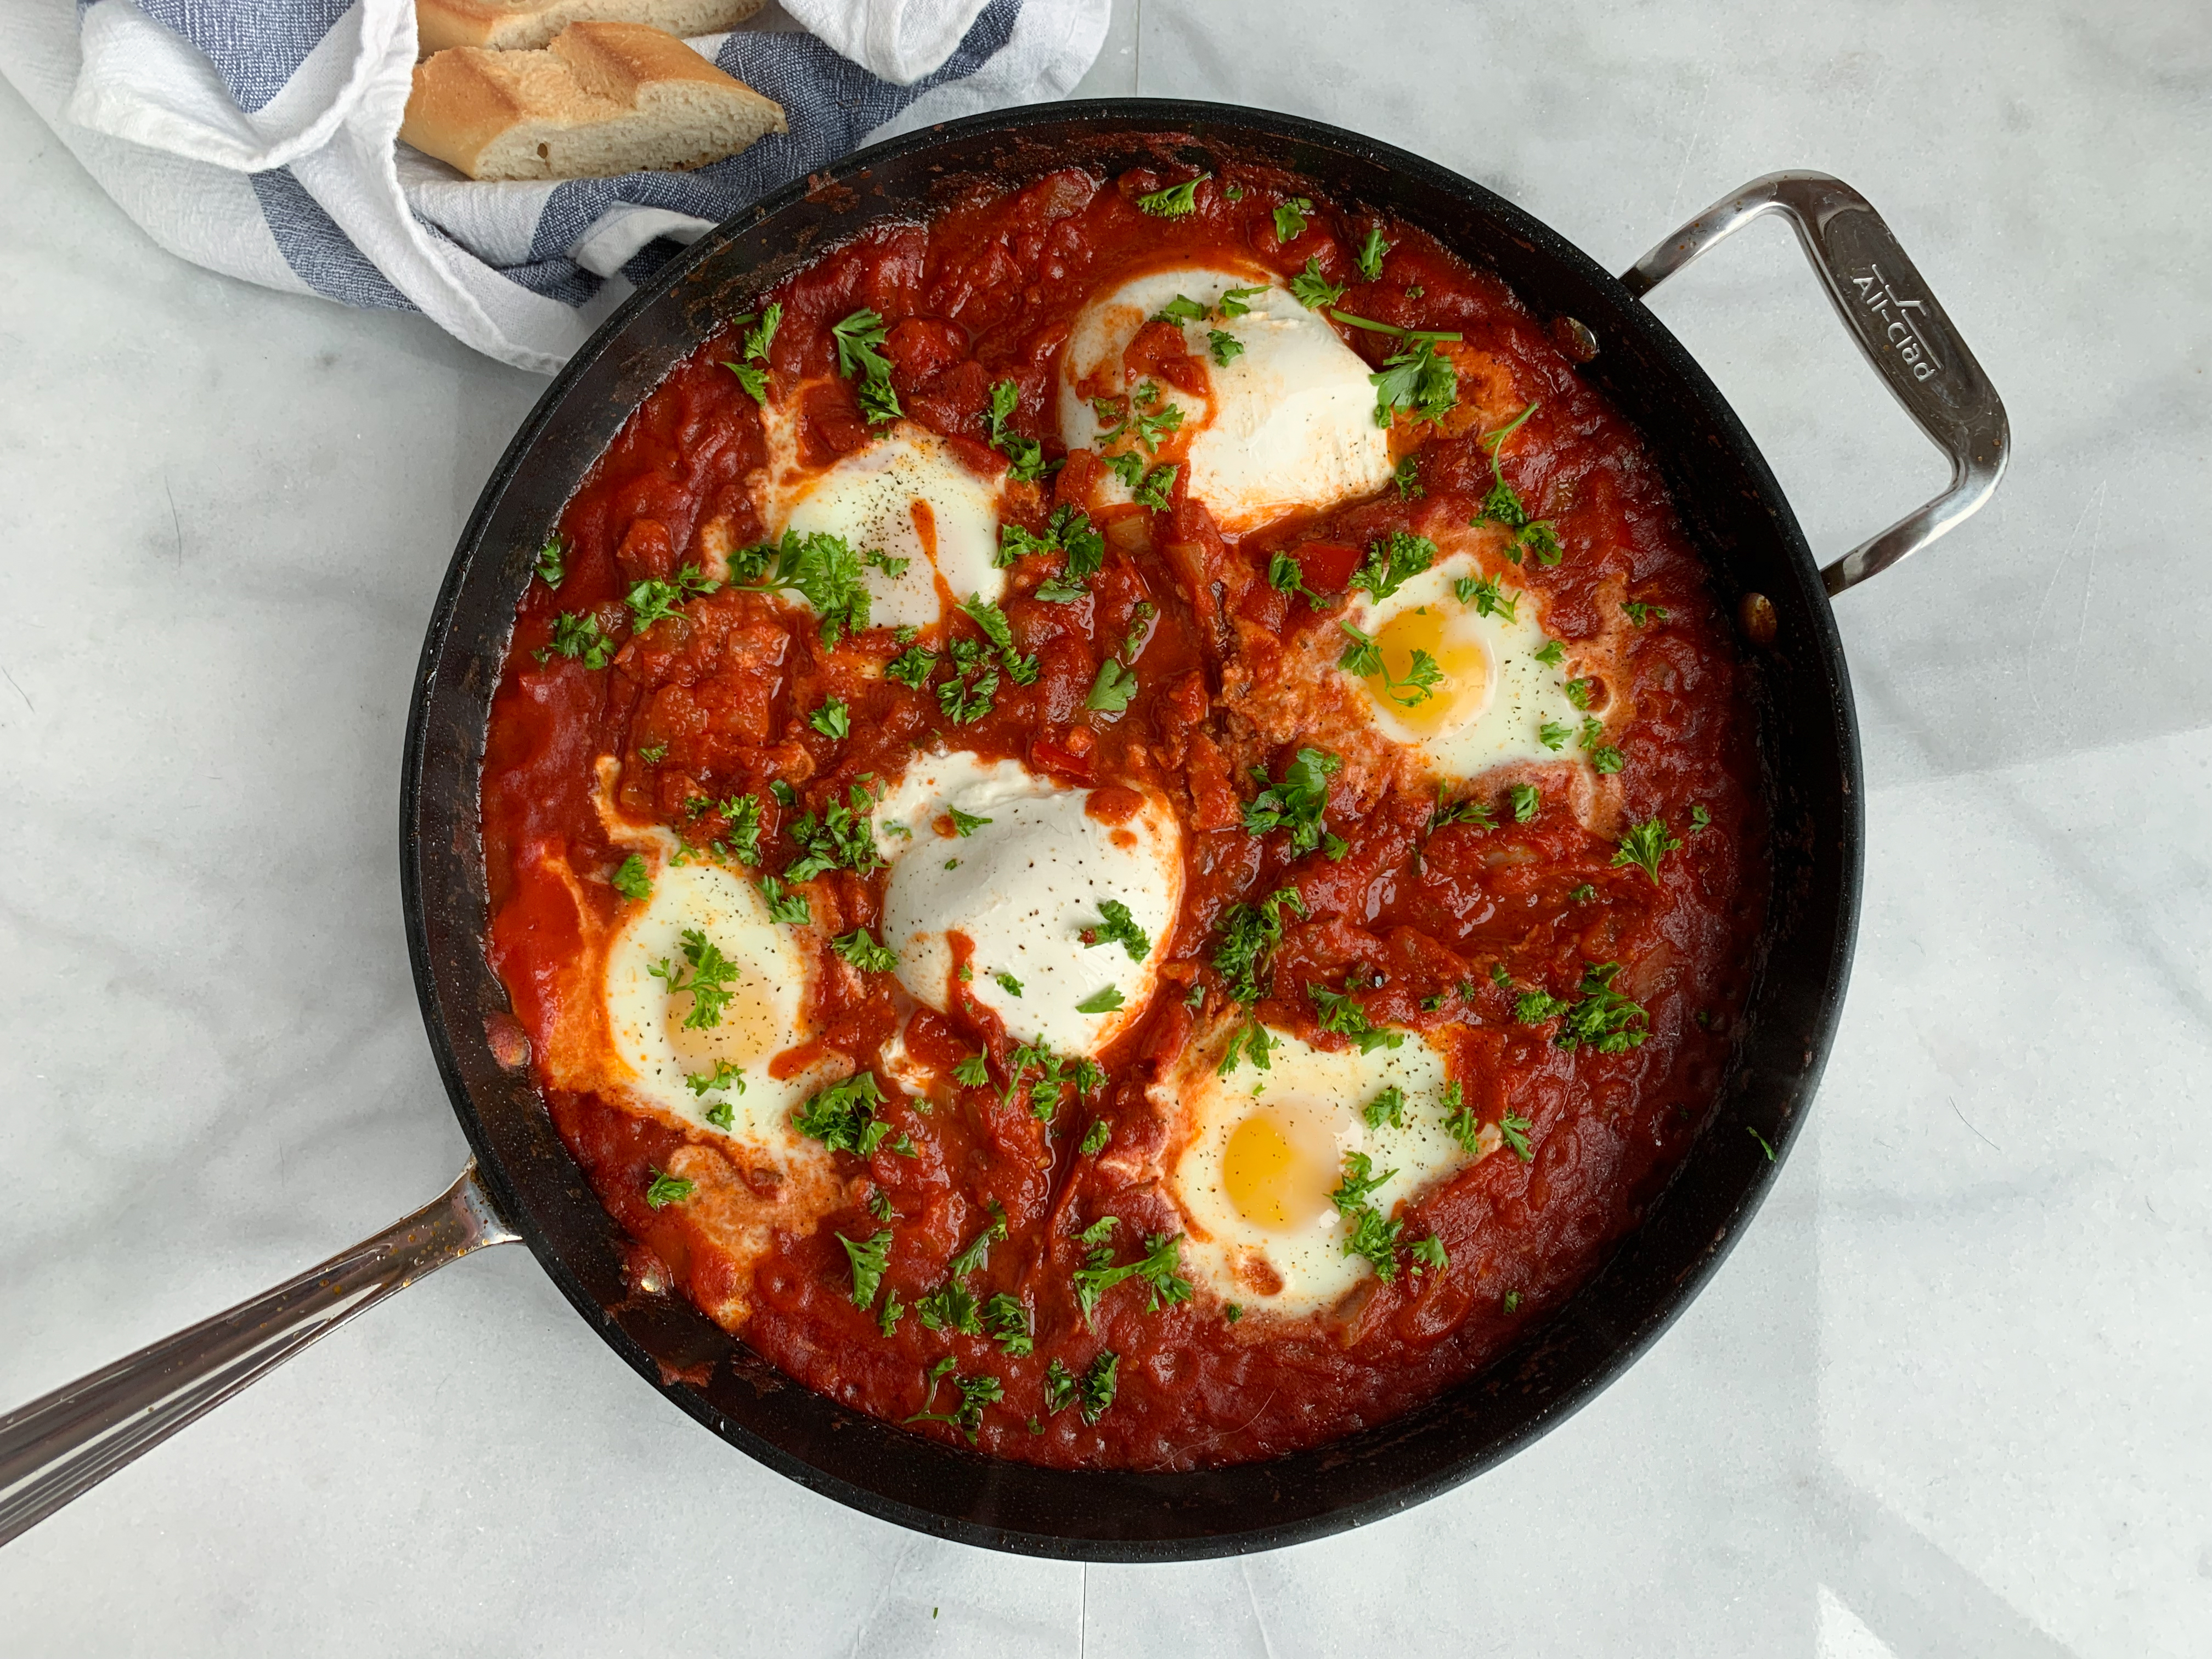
521,1183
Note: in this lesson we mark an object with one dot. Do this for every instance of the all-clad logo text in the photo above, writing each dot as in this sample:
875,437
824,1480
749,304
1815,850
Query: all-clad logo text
1901,323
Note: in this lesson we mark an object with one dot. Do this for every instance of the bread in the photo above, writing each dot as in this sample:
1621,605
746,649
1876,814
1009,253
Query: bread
511,25
601,98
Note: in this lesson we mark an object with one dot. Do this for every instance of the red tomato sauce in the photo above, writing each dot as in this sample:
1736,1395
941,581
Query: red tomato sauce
985,294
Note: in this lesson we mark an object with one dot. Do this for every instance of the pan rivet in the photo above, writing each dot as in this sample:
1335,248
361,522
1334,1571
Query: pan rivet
1574,337
1757,614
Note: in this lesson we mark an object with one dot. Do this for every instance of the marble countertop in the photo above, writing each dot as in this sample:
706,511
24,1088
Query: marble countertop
1950,1396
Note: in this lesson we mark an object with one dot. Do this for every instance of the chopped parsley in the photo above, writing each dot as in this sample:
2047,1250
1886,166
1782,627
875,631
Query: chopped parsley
1095,1138
1363,657
1512,1302
1287,575
1487,598
821,568
1640,613
741,813
870,1257
1551,653
1764,1144
1388,1107
1007,1319
1372,247
577,635
1095,1393
653,755
1248,932
1106,1002
551,564
1392,562
724,1076
864,953
1580,691
1117,927
975,1393
632,879
858,338
1514,1131
888,1316
974,1071
1143,416
1644,845
1341,1011
1022,670
1427,1253
949,1307
1175,201
1224,347
1111,691
1525,799
705,973
666,1190
1008,983
1583,895
1372,1234
1469,811
1503,506
1291,218
1406,475
963,823
879,1204
842,1116
1250,1041
1460,1120
783,905
1599,1016
1156,1267
1603,757
1231,303
832,719
1025,461
1296,804
843,836
1699,818
1417,378
977,1256
1553,734
751,365
1313,290
913,668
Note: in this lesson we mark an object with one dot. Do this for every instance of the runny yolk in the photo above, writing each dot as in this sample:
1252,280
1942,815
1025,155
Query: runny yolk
1462,693
1269,1180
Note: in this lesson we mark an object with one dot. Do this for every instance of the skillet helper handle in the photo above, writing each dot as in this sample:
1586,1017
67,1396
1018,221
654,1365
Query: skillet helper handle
1898,323
61,1446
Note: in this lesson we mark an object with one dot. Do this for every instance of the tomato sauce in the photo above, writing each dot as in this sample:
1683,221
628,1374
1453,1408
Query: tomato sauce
1430,920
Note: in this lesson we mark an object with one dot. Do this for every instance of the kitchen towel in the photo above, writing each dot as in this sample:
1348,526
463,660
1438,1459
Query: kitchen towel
259,138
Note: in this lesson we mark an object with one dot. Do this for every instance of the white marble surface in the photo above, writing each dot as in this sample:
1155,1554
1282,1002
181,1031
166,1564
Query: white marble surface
1949,1397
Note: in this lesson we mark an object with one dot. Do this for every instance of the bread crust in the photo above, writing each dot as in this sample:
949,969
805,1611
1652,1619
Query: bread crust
523,25
601,98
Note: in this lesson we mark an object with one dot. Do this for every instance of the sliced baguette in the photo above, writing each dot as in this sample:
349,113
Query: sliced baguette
519,25
602,99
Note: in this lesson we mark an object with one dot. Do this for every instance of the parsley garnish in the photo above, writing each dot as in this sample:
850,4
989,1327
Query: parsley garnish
742,814
1551,653
1156,1268
963,823
1406,475
832,719
1583,895
1418,378
1023,670
1174,201
1372,247
975,1392
1487,598
1512,1302
1427,1253
1554,734
1502,506
1340,1011
705,974
1290,219
1287,575
858,338
1025,461
1106,1002
1601,1017
1363,657
1525,799
842,1116
974,1071
1603,757
632,879
949,1307
1095,1138
1764,1144
753,349
783,905
1370,1234
653,755
1313,290
1094,1395
1388,1107
1073,534
821,568
1248,932
1250,1042
1469,811
1112,690
879,1204
552,563
1392,562
1231,303
1008,1320
724,1076
1181,309
977,1256
1644,845
841,836
1118,926
1514,1130
1059,1388
913,668
1460,1123
577,634
1224,347
666,1189
651,599
1640,613
1143,415
869,1258
1008,983
1232,1312
1699,818
864,953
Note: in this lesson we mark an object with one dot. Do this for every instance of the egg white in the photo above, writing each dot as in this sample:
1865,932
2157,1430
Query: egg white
1022,889
1289,424
763,1017
908,494
1496,697
1260,1152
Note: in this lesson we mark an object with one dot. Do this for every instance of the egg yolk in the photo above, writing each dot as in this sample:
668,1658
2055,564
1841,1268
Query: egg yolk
747,1034
1460,694
1270,1180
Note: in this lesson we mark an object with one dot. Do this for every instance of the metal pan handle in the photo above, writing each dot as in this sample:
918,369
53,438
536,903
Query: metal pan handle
1898,323
60,1447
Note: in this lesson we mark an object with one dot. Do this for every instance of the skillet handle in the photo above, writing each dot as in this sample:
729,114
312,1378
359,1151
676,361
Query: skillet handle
1898,324
61,1446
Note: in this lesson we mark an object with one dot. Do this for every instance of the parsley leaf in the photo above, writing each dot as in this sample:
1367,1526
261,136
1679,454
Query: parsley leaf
974,1071
1297,803
913,668
1487,598
963,823
1181,309
1118,927
784,906
1392,562
1290,219
753,350
1231,303
1224,347
1313,290
1417,378
1060,1388
1022,670
1388,1107
1143,415
1025,461
1287,575
1406,475
1008,1320
1469,811
1554,734
632,879
1107,1001
1515,1132
1363,657
858,338
1639,613
1008,983
1156,1267
1699,818
975,1393
821,568
1174,202
1095,1138
1644,845
1372,247
552,563
666,1190
842,1116
1095,1393
1340,1011
1111,691
977,1256
832,719
1525,799
724,1076
864,953
577,634
1360,1182
1551,653
705,973
1248,932
1459,1121
870,1257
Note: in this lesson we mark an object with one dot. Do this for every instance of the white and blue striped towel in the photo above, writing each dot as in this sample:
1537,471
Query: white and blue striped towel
258,138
